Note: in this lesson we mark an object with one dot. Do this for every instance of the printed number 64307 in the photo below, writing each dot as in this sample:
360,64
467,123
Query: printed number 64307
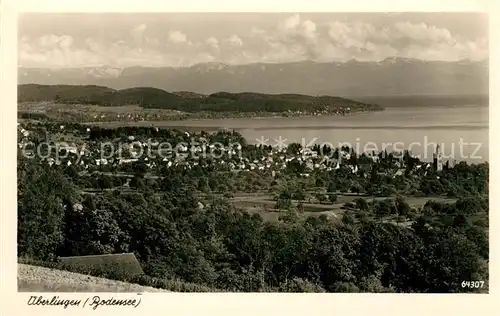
473,284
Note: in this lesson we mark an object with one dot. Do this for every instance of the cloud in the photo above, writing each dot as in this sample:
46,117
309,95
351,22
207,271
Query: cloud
291,39
299,37
337,40
139,28
235,40
294,28
51,41
256,31
137,33
177,37
421,32
212,42
65,41
154,42
289,23
405,39
92,45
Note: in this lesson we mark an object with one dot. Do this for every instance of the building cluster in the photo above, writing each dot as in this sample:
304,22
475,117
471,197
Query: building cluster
88,155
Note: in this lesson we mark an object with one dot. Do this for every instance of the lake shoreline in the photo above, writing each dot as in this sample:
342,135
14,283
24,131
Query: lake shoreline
461,132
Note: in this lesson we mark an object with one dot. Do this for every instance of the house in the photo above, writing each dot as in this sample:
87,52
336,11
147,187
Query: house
354,169
71,149
398,173
123,263
101,161
128,160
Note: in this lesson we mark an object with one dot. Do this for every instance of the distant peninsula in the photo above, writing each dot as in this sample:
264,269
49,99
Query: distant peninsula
99,103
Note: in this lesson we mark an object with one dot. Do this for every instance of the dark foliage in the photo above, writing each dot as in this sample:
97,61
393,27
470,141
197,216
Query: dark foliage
224,248
160,99
184,247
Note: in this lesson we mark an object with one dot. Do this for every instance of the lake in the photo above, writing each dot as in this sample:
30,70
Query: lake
461,131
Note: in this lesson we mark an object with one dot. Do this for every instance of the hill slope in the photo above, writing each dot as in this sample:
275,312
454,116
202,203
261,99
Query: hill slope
148,97
39,279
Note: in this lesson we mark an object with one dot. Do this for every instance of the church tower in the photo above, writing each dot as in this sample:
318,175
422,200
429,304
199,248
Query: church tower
438,159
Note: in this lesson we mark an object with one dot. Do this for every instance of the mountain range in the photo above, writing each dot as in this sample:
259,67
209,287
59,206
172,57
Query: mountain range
392,76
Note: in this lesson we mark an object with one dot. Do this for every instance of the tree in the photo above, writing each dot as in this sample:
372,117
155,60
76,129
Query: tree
402,207
332,198
137,182
320,182
345,287
41,211
105,182
93,232
479,237
299,195
332,186
347,218
71,172
283,203
294,148
321,197
361,204
298,285
459,220
300,207
383,208
446,269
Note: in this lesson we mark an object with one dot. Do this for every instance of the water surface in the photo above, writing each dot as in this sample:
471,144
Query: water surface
461,132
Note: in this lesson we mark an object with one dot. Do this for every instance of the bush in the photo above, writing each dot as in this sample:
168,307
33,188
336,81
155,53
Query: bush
361,204
469,205
298,285
345,287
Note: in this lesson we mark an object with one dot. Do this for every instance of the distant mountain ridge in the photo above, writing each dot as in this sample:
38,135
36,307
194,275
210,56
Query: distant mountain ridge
392,76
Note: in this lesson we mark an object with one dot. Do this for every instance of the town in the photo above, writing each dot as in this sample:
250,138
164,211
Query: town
162,193
141,152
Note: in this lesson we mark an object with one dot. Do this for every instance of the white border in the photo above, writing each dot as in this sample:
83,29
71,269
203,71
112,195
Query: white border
232,304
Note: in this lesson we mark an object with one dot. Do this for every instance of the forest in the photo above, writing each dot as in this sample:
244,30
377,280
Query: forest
185,101
218,246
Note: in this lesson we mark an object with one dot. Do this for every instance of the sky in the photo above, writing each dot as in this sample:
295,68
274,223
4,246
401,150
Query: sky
71,40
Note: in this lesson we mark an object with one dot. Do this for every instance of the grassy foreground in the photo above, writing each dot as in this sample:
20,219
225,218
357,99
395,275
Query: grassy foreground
39,279
48,276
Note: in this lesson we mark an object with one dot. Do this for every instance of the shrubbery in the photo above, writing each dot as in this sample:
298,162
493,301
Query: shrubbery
184,247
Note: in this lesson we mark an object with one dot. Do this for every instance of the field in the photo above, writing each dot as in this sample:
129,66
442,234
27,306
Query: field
93,113
264,205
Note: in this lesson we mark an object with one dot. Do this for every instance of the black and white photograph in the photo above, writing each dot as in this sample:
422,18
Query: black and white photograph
236,152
